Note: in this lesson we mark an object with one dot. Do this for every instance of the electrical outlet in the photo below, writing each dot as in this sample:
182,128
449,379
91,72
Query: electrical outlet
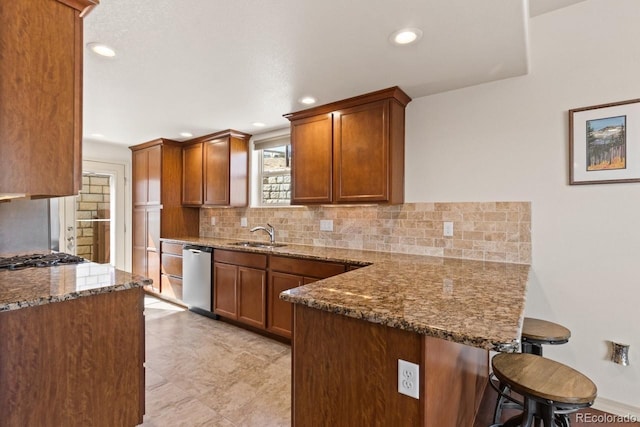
213,220
243,222
447,286
408,379
447,229
326,225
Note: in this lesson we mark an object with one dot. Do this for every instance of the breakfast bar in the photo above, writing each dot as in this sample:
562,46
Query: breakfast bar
441,314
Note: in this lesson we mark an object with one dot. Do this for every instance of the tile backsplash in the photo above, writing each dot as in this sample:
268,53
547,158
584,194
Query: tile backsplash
490,231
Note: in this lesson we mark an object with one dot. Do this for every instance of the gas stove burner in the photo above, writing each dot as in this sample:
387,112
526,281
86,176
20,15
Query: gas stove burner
20,262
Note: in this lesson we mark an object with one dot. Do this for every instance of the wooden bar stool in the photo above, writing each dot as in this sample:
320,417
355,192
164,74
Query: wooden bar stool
535,334
549,388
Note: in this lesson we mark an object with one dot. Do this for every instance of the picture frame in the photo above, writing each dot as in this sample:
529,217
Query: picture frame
604,143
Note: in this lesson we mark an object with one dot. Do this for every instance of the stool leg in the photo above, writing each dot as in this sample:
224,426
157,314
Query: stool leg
548,415
529,412
536,349
497,413
514,421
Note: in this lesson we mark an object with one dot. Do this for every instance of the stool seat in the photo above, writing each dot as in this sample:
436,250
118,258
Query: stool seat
544,332
543,379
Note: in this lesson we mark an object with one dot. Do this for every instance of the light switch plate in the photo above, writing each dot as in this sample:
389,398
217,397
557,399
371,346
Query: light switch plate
243,222
213,220
326,225
447,229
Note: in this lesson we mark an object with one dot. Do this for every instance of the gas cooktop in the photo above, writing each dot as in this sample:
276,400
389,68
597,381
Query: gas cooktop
20,262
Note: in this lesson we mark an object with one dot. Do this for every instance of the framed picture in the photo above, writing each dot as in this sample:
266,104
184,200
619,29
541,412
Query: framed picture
604,143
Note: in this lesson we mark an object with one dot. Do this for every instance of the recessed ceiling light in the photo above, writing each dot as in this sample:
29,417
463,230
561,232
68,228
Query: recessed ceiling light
186,134
101,49
307,100
258,124
406,36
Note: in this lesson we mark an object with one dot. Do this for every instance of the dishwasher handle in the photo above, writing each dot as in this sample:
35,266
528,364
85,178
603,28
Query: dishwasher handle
197,249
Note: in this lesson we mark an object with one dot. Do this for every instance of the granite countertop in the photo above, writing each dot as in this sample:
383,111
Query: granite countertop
38,286
476,303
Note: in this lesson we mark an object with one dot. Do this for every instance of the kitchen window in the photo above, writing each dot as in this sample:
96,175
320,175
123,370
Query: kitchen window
274,177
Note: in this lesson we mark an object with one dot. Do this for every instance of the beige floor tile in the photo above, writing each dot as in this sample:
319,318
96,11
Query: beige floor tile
203,372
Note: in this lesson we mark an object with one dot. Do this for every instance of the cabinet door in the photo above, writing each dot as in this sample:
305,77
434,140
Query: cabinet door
41,97
192,174
224,290
252,285
153,229
140,173
216,172
311,147
154,175
139,253
361,153
171,286
280,313
153,269
147,173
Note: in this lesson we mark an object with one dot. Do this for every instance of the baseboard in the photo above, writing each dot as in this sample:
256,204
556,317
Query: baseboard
617,408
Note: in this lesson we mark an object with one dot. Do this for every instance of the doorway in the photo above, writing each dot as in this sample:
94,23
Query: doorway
92,223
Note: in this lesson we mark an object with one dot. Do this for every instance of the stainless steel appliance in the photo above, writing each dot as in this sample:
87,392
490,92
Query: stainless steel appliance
196,279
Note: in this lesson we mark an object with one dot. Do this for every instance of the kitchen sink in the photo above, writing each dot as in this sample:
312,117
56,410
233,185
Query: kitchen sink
258,245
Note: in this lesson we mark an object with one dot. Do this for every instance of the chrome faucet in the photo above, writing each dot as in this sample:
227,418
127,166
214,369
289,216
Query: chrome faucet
270,230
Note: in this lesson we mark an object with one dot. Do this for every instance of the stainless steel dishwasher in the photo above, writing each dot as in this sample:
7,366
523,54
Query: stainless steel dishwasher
196,279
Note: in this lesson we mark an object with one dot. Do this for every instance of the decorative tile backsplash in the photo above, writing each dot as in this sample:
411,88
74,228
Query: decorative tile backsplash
490,231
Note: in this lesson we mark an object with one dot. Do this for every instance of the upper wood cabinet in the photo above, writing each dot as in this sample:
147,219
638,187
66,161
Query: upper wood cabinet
350,151
41,52
147,164
215,170
192,174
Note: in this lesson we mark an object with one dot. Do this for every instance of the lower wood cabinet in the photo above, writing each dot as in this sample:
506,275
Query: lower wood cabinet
240,284
287,273
78,362
146,244
171,270
280,314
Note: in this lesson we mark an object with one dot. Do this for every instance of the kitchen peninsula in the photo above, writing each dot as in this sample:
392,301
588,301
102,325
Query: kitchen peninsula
349,331
71,346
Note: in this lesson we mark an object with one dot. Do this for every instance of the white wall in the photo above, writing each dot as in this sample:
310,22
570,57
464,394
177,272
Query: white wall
508,140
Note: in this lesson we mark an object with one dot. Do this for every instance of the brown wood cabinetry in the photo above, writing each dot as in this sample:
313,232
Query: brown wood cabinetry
74,363
239,286
41,97
192,174
353,148
171,271
327,346
157,205
216,169
287,273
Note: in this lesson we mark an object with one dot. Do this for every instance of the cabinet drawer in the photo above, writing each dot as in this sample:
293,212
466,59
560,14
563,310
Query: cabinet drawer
306,267
171,287
245,259
172,248
172,265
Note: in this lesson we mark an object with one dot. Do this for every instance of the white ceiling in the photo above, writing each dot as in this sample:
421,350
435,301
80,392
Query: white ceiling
206,65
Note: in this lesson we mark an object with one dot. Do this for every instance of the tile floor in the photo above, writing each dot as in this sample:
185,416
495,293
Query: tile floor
201,372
